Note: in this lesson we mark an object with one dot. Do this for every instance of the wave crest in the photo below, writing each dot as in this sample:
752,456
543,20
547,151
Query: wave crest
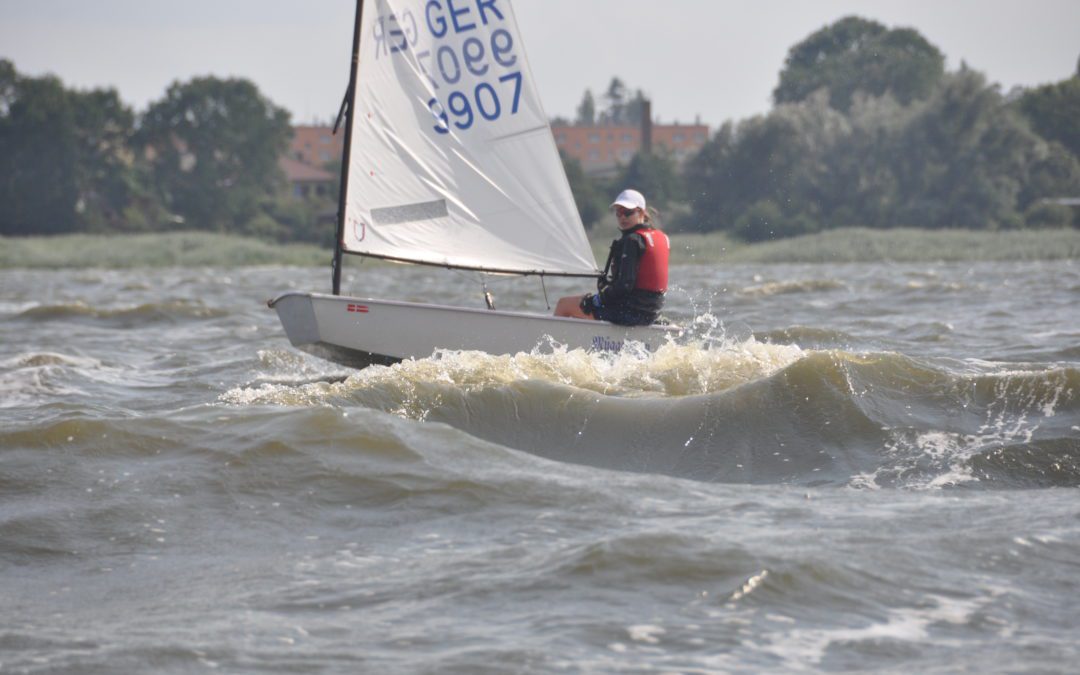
746,412
168,310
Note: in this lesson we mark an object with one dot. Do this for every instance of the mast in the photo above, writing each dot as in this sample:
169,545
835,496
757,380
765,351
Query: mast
348,107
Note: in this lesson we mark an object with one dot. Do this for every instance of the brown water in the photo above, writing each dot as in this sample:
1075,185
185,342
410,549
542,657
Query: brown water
851,467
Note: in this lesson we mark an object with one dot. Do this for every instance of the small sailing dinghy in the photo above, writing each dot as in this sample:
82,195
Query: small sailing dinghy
449,161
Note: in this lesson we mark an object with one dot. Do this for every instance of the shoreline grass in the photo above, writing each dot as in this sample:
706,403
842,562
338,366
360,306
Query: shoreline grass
204,249
852,245
165,249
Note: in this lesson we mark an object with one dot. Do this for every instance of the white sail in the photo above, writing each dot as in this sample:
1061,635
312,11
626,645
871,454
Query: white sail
452,159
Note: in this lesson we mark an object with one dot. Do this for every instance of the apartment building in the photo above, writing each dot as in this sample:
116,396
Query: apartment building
311,149
316,145
601,149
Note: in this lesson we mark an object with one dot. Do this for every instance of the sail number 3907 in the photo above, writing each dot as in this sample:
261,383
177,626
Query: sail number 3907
483,101
472,59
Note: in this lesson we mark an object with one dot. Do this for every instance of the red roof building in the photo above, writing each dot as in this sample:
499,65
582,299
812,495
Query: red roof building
312,150
603,148
316,146
306,180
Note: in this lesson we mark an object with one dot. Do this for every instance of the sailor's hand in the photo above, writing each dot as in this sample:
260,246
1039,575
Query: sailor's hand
590,303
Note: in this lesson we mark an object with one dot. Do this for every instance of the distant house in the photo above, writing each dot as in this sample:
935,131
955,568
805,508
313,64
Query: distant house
311,150
601,149
316,145
306,180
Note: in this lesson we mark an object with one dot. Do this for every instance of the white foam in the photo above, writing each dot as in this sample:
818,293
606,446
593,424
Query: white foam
751,584
26,378
645,633
673,370
957,474
1008,420
865,481
17,307
807,647
47,359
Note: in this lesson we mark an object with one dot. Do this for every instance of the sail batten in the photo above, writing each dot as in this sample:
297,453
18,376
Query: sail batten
453,162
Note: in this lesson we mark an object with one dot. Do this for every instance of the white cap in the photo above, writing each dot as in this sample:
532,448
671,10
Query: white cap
630,199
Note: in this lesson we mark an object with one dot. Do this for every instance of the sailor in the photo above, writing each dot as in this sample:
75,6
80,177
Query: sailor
631,290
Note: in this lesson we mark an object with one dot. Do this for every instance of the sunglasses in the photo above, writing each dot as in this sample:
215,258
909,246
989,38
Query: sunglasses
624,213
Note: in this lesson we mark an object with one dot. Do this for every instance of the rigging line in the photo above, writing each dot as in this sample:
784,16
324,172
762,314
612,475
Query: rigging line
480,278
471,275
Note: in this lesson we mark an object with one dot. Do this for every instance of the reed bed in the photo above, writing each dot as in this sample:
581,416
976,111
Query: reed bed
199,249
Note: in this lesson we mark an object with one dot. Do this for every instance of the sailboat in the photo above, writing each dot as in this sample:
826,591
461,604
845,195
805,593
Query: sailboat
449,161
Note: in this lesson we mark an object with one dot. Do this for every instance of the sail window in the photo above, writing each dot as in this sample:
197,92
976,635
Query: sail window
409,213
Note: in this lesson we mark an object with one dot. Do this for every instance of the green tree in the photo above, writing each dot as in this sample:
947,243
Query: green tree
654,175
777,165
620,107
954,155
66,160
856,54
634,109
1048,215
960,158
113,181
287,218
586,111
706,175
963,159
1054,173
1054,112
764,220
215,146
588,194
862,188
615,111
7,86
38,155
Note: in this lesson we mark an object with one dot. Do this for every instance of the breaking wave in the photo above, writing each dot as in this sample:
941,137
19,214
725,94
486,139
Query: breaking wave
174,310
747,412
771,288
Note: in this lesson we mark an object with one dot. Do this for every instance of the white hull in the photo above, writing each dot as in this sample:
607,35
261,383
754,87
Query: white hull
360,332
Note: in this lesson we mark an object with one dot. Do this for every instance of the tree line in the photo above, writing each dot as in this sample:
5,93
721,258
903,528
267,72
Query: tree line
621,108
867,129
203,157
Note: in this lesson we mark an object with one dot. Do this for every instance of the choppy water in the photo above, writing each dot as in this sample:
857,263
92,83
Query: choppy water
869,467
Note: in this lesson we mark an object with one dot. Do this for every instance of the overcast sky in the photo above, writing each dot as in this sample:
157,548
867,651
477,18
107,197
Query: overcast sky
713,59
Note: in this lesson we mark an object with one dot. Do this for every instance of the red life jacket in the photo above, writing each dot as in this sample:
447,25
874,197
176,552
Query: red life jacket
653,269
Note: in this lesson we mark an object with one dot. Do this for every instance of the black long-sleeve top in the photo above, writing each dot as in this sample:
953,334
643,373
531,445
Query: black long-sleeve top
616,286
